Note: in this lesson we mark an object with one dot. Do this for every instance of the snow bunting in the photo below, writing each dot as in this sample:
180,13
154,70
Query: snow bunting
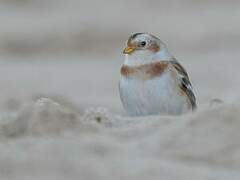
152,81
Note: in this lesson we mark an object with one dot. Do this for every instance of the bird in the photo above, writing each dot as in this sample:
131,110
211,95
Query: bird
152,81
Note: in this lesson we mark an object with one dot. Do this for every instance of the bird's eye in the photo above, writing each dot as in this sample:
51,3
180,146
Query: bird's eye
143,43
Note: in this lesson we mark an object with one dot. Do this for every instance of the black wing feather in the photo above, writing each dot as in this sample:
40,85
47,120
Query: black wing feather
185,83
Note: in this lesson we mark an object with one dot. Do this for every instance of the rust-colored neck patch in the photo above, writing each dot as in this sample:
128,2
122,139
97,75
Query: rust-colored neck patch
146,71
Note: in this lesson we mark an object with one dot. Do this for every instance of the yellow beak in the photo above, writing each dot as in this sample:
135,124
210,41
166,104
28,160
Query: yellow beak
128,50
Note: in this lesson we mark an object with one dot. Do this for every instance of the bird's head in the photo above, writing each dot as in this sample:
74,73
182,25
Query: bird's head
144,47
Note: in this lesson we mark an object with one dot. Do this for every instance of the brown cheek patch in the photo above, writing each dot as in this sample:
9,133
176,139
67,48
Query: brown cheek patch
147,71
154,48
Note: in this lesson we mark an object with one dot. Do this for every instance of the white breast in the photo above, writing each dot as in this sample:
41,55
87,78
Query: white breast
154,96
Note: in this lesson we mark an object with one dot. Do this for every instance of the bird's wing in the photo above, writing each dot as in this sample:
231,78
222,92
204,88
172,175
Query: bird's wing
184,82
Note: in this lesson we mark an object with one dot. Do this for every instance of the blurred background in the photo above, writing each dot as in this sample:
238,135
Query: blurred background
71,52
74,48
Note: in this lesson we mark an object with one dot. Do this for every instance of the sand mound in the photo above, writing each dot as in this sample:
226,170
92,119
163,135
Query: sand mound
53,140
